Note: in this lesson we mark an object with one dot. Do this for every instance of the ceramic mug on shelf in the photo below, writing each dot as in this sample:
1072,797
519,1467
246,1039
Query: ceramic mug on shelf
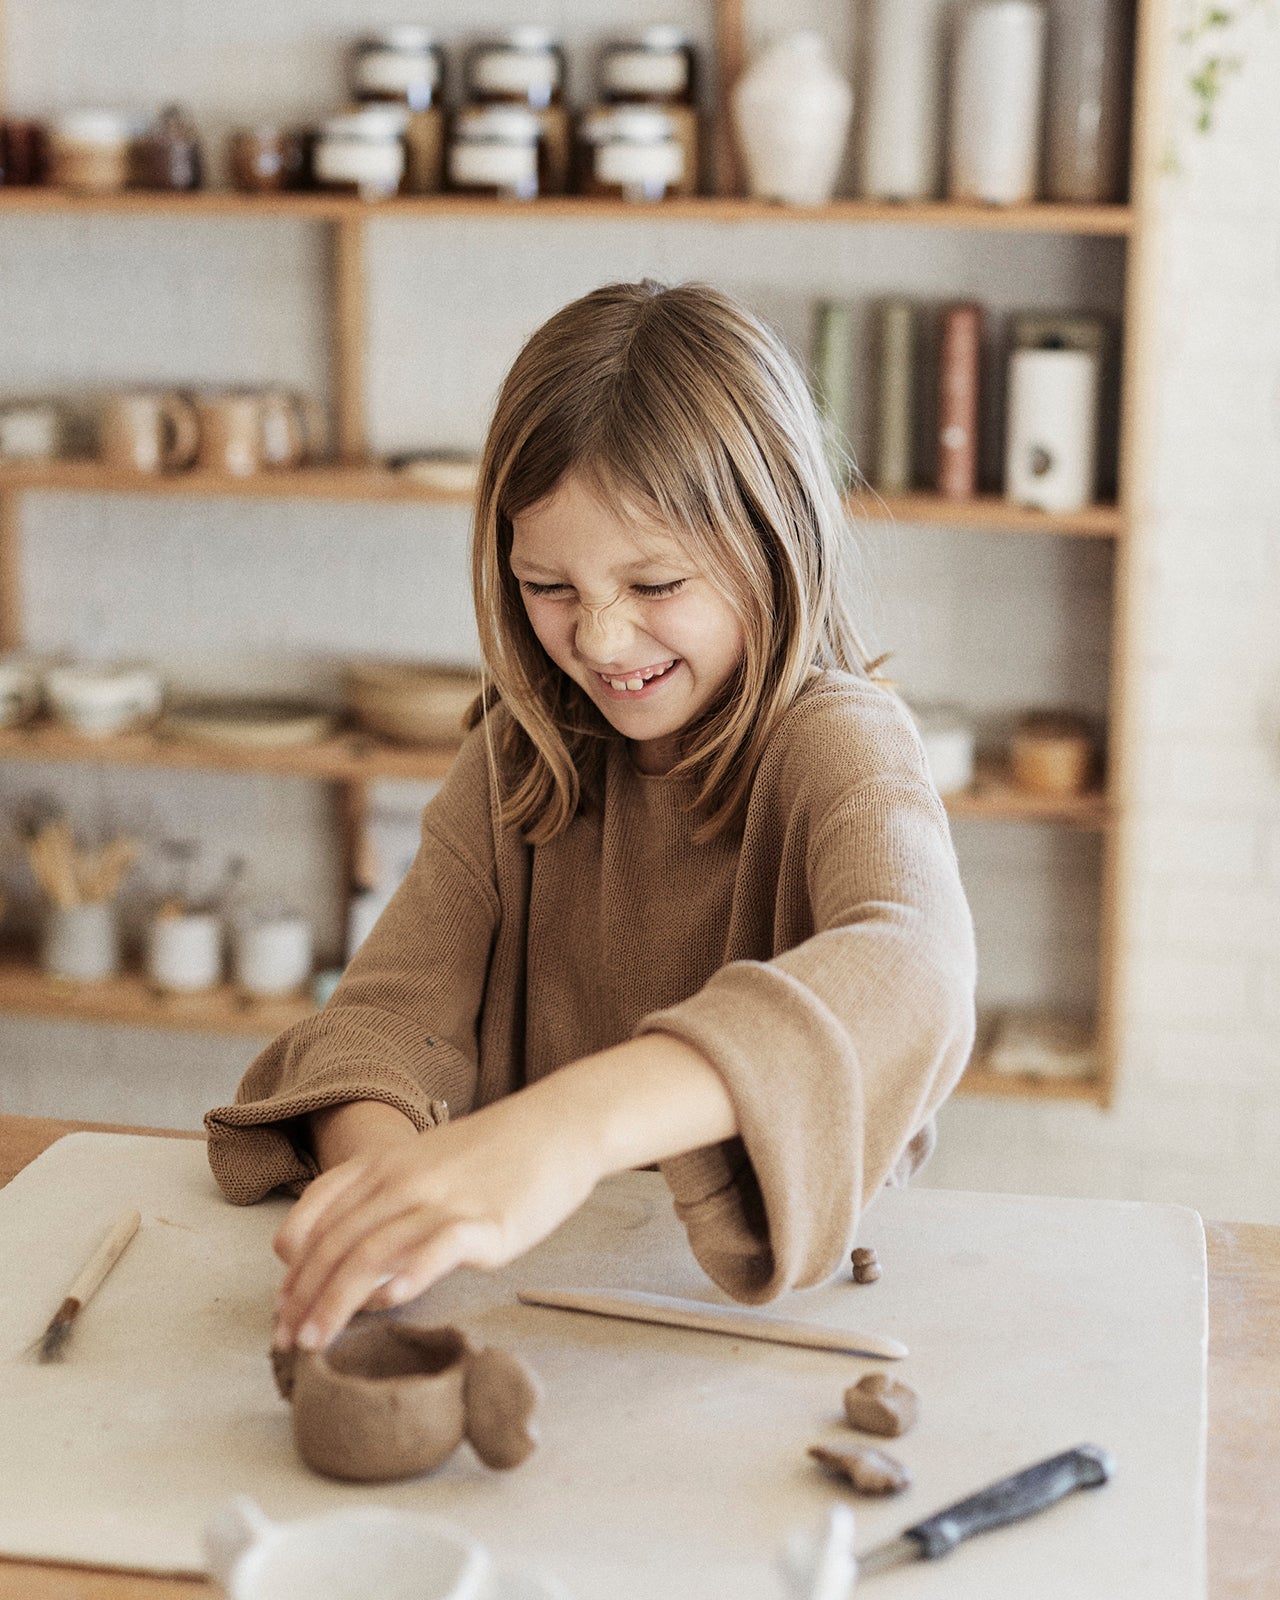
184,952
31,430
272,953
81,943
148,431
295,428
243,431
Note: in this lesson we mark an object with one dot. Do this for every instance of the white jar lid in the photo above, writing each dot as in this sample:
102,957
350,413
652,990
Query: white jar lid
660,36
375,123
504,124
630,124
407,36
527,38
96,126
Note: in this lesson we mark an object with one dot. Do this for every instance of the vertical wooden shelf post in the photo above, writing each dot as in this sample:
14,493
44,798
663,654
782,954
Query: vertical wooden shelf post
349,358
11,630
730,48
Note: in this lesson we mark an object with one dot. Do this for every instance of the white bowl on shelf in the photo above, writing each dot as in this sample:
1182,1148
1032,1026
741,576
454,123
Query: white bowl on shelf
102,700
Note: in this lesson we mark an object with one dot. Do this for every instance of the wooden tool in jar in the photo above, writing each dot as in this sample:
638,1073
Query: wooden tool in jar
88,1280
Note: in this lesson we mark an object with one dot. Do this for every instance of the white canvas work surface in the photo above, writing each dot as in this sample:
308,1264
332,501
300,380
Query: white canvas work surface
671,1462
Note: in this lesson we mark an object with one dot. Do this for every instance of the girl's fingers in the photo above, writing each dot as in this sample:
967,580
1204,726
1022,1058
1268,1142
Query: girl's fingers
417,1253
292,1235
350,1236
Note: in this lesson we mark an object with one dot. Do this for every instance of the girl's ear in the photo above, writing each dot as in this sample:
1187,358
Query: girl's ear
499,1397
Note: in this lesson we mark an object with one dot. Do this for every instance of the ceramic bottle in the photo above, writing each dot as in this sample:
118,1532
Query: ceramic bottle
791,113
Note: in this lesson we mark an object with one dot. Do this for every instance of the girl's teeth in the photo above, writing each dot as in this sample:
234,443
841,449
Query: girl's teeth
619,684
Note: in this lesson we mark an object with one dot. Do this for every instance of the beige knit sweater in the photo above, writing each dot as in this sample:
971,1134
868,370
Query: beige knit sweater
822,959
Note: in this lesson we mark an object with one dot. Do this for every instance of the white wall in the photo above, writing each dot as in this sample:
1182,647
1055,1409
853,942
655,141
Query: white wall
245,592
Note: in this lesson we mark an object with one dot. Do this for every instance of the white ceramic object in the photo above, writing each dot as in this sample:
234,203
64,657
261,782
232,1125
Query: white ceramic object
901,147
791,112
103,700
31,430
997,94
354,1554
272,953
949,746
1052,431
81,943
184,953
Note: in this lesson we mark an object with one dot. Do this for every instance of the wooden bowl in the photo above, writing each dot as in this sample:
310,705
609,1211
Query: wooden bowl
411,701
1051,754
249,720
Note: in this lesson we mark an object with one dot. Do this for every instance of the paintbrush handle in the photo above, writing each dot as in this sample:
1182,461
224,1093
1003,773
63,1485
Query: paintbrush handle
104,1257
741,1322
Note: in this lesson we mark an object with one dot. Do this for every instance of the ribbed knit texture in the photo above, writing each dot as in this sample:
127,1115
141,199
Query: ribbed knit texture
822,959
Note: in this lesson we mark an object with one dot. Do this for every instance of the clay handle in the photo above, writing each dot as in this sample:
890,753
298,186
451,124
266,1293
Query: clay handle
181,432
1033,1489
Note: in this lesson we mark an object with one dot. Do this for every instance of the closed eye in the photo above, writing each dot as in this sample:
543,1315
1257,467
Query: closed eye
656,591
530,587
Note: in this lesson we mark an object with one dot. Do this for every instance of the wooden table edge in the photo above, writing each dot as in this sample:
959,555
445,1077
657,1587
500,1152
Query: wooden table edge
1243,1491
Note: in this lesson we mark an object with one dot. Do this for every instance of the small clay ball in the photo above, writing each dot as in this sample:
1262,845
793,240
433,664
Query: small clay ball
500,1395
869,1471
866,1265
880,1404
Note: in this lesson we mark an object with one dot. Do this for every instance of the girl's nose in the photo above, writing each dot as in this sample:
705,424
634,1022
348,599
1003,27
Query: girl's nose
603,633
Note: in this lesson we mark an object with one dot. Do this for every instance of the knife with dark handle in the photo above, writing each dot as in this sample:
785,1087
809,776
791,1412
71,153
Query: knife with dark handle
1035,1488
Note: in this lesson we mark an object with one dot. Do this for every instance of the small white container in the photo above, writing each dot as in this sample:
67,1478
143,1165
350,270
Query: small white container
633,153
100,701
495,151
791,112
949,746
81,943
272,953
1051,439
184,953
31,430
363,152
997,95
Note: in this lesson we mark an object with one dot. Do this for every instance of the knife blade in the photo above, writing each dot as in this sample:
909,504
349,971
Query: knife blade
1022,1494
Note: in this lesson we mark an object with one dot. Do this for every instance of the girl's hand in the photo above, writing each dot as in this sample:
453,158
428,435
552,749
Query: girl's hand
386,1224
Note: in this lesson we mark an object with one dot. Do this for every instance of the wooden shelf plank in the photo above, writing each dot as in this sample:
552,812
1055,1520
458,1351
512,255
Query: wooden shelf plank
130,1001
1004,1085
994,798
1040,217
343,756
988,513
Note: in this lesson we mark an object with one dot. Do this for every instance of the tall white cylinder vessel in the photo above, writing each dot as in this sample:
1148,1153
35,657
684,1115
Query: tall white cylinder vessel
901,156
1052,433
997,102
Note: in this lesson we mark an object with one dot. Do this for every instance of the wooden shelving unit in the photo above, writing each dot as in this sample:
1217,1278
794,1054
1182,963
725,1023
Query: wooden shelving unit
351,761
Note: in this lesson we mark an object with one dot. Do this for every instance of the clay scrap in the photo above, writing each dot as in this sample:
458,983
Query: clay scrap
866,1264
880,1404
869,1471
387,1400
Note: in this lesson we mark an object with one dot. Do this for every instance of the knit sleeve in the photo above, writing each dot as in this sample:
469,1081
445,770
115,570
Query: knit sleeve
401,1027
837,1052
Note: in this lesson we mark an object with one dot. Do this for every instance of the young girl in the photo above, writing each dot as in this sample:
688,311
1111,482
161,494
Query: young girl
687,896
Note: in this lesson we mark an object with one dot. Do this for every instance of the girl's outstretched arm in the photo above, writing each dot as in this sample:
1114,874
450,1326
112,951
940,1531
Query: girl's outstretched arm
382,1226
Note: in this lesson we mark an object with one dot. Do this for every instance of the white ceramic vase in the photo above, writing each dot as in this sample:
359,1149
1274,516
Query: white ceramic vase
791,113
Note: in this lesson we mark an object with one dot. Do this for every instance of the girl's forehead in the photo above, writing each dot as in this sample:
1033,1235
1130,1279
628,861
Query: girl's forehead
579,521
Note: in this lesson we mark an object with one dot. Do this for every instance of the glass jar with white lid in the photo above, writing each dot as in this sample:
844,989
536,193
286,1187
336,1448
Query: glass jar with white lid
362,152
523,66
402,65
653,66
629,153
497,150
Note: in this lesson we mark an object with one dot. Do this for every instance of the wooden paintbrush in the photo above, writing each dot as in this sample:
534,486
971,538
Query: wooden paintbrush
54,1340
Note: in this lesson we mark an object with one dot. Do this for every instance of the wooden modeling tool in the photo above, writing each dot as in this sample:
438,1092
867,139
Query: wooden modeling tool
54,1340
740,1322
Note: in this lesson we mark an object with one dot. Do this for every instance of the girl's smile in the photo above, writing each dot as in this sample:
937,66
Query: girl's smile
620,607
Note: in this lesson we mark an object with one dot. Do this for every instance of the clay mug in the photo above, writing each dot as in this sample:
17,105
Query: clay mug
31,430
231,432
294,428
148,431
359,1550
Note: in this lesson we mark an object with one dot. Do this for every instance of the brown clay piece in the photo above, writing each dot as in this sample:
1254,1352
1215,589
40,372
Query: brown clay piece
866,1264
881,1404
869,1471
500,1395
387,1400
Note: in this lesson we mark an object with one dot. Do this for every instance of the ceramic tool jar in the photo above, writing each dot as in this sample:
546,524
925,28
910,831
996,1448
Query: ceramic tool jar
656,66
90,151
525,67
629,153
362,152
405,67
497,150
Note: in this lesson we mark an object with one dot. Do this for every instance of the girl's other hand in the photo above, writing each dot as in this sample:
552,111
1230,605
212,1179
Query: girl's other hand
385,1224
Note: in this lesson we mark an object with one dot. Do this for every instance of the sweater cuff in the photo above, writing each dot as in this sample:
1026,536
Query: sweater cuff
776,1208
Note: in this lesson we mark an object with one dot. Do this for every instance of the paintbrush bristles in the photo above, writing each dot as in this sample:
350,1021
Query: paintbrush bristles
54,1343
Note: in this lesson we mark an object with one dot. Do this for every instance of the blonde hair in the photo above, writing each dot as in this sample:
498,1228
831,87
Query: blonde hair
676,401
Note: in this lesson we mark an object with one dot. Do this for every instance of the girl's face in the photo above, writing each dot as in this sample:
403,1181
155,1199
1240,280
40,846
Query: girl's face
620,607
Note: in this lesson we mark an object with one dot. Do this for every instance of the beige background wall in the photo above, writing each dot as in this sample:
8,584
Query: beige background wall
248,593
